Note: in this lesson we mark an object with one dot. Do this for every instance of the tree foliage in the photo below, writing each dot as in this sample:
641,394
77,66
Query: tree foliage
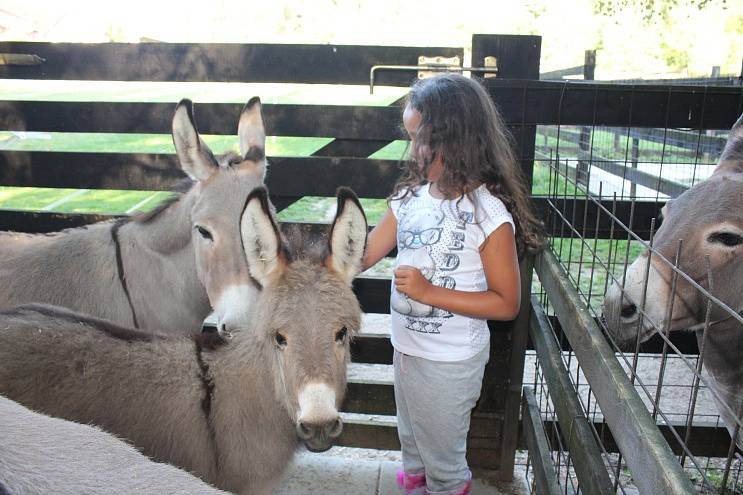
652,10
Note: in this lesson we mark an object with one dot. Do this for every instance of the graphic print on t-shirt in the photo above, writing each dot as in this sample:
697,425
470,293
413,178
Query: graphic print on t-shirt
429,240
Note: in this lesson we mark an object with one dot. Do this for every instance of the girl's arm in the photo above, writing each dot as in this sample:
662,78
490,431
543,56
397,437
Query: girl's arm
502,299
381,240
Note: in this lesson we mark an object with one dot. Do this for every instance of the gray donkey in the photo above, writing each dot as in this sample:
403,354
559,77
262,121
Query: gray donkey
709,219
234,413
40,455
162,271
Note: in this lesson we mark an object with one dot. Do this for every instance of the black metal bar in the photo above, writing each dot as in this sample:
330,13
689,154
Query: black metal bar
647,453
545,479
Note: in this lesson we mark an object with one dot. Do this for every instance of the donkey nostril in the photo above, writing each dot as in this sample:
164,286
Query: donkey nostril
335,428
303,431
629,311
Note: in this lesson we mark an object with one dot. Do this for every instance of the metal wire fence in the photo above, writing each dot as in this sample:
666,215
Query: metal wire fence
665,304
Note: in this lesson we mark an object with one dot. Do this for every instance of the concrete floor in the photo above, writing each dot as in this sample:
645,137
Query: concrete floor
347,473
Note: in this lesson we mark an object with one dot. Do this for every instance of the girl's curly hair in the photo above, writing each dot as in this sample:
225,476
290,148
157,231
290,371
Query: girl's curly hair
460,123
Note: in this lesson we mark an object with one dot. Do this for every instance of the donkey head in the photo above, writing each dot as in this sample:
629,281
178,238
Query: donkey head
708,218
307,313
220,191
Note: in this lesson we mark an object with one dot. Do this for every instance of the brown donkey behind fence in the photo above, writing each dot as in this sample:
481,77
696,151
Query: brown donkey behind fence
163,271
708,219
233,414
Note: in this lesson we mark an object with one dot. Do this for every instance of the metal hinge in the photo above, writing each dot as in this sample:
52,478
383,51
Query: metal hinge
20,59
427,66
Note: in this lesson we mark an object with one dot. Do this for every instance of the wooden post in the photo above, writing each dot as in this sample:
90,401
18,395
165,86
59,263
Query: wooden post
634,159
517,58
584,141
589,65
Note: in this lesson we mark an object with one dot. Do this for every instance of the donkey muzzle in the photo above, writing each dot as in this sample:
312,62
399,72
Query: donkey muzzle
318,437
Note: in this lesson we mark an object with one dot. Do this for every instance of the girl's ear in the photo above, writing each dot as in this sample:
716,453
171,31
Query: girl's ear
347,239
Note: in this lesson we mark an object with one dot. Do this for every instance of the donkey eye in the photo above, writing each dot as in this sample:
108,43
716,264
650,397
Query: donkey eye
341,335
204,233
280,341
727,238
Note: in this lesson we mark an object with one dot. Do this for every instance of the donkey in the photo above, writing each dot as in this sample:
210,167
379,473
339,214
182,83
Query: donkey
40,454
709,219
232,413
165,270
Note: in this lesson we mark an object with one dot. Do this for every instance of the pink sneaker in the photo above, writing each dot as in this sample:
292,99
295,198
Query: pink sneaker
412,483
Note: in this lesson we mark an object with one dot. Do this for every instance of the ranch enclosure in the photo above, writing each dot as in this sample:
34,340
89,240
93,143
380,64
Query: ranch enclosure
602,159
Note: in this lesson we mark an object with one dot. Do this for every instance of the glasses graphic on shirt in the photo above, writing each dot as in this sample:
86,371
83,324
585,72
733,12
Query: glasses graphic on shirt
414,240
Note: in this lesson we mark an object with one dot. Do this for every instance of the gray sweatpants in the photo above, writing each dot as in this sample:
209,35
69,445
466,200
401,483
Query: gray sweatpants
434,401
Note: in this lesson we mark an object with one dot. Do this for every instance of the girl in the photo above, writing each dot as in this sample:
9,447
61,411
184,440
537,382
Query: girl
459,218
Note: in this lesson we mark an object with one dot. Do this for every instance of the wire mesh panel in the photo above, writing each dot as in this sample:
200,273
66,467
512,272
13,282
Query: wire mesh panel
666,298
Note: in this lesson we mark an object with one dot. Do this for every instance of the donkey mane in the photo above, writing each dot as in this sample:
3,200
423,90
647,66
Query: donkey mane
227,160
182,187
104,326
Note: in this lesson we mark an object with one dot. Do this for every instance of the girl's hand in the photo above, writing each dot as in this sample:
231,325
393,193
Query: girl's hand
411,282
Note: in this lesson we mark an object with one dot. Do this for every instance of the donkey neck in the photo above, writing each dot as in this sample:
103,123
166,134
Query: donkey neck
249,409
158,262
723,349
167,231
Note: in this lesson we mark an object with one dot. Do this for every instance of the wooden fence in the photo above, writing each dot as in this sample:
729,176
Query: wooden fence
357,131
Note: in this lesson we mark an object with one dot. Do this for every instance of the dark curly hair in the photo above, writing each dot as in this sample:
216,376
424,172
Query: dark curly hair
460,123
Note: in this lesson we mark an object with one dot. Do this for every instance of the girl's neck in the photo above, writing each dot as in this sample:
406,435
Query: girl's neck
435,192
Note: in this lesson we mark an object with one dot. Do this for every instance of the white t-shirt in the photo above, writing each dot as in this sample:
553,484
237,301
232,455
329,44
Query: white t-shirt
442,239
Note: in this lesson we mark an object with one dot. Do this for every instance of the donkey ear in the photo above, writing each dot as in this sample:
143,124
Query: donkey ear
731,159
262,243
194,155
250,128
347,236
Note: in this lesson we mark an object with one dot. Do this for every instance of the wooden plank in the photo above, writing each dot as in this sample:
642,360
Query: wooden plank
225,62
517,55
582,103
545,478
368,349
648,455
705,440
373,294
561,213
589,465
626,171
287,176
44,222
644,211
339,121
521,102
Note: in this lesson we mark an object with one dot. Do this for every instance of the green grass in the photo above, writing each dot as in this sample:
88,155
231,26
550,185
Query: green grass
314,209
146,143
200,92
27,198
588,263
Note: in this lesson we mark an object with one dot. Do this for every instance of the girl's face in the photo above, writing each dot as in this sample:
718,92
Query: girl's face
411,119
